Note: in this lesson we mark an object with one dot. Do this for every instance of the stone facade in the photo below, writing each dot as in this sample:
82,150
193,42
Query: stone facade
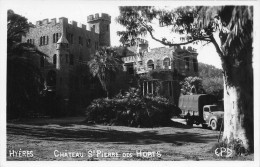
142,59
68,47
164,63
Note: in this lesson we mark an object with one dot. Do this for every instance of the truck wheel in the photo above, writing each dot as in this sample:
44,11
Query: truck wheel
189,122
204,126
213,124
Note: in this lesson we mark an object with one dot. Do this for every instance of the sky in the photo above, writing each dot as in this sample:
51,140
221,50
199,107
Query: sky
78,10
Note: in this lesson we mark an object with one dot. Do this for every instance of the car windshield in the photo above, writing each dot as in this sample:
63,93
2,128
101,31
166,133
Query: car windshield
216,108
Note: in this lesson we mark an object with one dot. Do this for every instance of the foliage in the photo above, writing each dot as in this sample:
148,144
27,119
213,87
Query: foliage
192,85
209,71
24,80
212,79
131,109
213,86
104,65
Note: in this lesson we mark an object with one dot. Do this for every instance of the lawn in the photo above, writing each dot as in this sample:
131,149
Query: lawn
66,139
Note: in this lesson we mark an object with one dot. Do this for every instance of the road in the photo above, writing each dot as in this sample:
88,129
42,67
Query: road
183,121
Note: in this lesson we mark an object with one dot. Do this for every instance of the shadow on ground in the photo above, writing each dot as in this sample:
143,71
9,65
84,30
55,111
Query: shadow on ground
84,133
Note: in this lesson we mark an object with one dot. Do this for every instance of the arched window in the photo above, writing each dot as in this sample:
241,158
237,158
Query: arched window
54,59
166,63
150,65
71,59
42,61
158,64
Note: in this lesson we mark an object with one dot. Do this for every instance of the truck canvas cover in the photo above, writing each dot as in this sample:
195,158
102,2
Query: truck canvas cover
195,102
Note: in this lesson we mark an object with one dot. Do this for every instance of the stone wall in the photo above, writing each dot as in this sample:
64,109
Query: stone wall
83,42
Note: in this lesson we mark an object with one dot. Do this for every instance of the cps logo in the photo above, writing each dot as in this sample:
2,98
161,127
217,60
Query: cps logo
223,152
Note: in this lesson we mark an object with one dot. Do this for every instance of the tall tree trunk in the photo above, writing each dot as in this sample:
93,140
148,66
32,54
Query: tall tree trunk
238,116
238,98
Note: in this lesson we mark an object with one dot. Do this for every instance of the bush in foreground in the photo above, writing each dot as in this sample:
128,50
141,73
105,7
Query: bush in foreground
132,109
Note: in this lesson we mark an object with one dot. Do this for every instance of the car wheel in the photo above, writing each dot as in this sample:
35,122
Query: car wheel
213,125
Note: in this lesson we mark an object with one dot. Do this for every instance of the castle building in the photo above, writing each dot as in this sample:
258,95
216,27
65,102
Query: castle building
164,63
68,46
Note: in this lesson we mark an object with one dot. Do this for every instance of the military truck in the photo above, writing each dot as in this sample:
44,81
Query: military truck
201,109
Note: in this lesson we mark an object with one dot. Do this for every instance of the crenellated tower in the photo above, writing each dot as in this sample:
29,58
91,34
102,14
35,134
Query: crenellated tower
101,24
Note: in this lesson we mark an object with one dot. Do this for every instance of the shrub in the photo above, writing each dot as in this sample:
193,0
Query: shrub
132,109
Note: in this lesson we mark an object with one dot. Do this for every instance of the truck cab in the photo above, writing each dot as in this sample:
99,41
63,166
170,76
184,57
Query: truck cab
213,116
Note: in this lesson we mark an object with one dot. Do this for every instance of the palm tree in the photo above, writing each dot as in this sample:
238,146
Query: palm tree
24,80
104,65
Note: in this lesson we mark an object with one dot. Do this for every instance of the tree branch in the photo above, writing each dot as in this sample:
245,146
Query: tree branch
217,47
173,44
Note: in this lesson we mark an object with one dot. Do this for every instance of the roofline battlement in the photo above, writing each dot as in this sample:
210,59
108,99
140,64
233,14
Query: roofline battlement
189,48
53,21
96,17
62,20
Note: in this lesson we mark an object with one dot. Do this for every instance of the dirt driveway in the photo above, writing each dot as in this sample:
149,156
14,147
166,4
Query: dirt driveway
71,139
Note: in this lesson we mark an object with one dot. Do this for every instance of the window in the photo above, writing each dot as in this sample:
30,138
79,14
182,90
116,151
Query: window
40,41
187,64
47,40
80,58
96,45
195,65
71,59
56,37
42,61
44,40
89,43
54,59
170,88
70,38
80,41
31,41
107,27
67,58
130,68
150,65
206,109
158,64
166,63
